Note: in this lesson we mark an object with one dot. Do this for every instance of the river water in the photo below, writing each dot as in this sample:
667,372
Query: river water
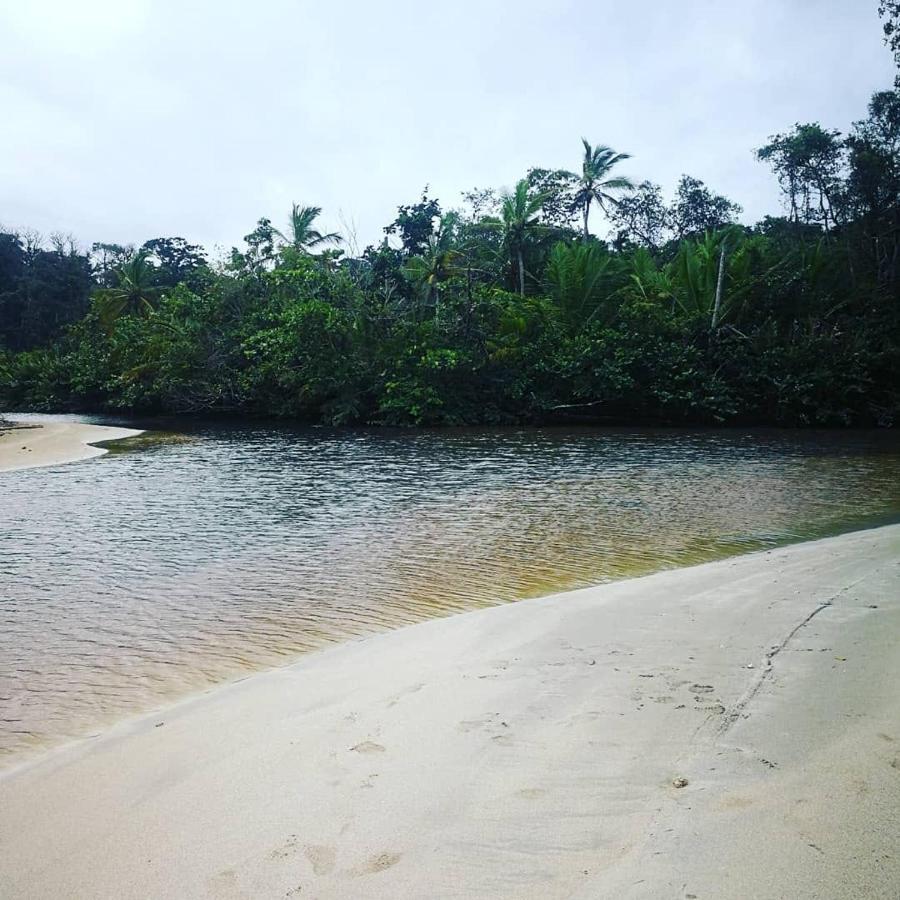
180,561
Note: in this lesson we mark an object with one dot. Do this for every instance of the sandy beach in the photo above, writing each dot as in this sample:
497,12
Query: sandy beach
730,730
26,445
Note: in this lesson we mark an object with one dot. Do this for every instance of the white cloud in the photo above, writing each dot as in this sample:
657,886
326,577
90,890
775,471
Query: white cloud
126,120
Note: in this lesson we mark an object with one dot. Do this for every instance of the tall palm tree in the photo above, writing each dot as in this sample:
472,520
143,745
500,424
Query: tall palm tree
302,236
517,223
595,183
133,293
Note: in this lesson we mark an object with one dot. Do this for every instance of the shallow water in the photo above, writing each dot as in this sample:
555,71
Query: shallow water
176,564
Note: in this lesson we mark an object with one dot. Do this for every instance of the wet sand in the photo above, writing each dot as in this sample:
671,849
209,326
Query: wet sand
730,730
26,445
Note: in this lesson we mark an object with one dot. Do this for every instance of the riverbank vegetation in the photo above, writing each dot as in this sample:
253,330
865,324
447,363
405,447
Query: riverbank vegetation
506,307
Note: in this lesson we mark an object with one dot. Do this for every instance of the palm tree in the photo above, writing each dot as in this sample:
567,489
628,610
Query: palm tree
133,293
594,183
518,221
436,263
577,279
701,271
302,236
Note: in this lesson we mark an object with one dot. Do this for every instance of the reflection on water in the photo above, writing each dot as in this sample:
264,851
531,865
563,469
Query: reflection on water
146,574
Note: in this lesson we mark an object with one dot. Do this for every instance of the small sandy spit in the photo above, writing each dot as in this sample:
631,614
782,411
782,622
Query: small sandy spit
721,732
27,444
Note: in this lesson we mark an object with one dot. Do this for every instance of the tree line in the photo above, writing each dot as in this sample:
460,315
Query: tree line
504,309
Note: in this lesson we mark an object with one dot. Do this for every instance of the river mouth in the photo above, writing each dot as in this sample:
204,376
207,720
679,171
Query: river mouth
182,559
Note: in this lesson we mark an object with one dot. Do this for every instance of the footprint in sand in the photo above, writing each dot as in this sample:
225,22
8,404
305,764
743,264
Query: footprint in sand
472,724
225,885
377,863
413,689
288,848
321,858
368,747
531,793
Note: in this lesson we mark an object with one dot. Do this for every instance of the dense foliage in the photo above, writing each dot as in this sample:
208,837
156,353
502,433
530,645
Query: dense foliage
507,309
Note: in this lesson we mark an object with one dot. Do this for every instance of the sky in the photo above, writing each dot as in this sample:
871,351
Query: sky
124,120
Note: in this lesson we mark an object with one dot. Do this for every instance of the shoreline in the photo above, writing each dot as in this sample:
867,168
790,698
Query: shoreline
103,730
32,444
524,750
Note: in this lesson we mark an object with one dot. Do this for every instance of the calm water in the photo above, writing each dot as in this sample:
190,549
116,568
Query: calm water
165,568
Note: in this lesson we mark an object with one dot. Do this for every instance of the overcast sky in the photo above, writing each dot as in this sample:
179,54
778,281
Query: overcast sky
122,120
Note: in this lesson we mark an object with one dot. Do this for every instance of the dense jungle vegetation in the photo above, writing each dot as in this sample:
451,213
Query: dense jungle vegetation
505,309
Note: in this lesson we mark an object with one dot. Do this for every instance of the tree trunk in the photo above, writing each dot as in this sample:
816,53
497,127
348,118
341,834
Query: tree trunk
792,191
585,214
720,283
521,272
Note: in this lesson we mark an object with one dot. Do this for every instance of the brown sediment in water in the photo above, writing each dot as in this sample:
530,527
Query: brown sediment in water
726,730
165,572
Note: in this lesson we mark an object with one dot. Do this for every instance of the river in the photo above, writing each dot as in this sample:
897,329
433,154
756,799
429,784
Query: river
180,561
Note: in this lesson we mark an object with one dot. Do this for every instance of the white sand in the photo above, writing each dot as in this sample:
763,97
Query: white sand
527,751
51,443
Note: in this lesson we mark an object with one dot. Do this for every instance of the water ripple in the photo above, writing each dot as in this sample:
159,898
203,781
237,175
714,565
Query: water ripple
144,575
